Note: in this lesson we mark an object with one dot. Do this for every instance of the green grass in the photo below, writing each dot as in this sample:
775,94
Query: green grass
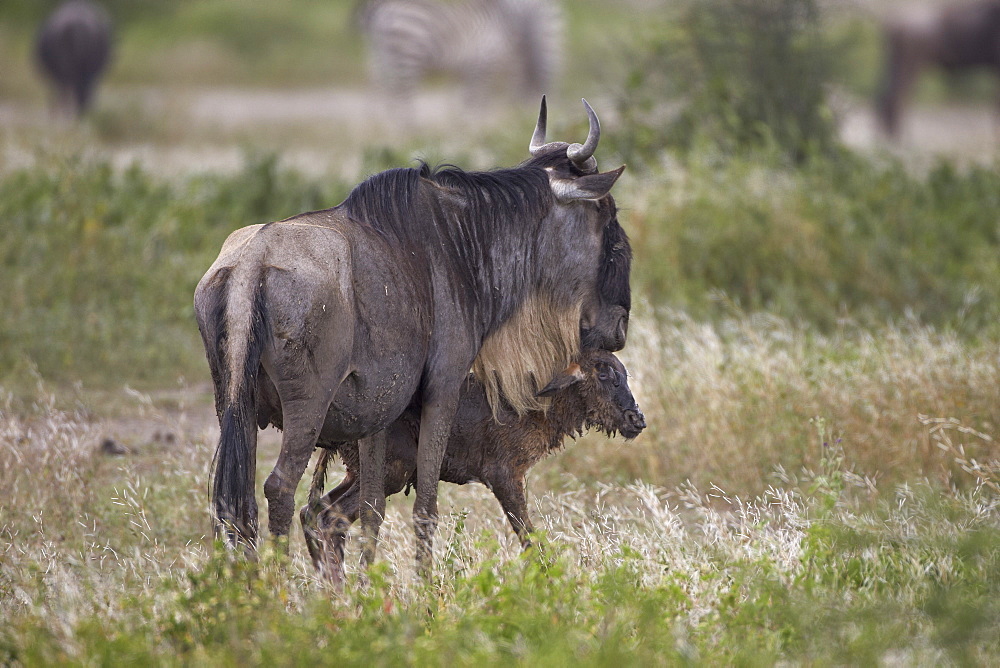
842,503
231,42
846,238
244,43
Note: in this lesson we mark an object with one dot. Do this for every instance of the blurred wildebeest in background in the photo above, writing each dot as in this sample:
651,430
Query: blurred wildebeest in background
73,48
330,324
956,38
488,45
592,393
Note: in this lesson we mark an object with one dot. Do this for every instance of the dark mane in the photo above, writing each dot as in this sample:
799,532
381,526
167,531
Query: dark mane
385,201
402,202
481,228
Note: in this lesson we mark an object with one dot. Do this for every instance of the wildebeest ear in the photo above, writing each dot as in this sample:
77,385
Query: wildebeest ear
569,376
593,186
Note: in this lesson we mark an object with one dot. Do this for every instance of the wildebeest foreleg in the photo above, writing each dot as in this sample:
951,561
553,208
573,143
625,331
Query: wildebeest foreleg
435,428
371,451
510,494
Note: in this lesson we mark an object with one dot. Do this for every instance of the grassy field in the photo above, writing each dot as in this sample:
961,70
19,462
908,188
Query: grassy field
813,342
107,561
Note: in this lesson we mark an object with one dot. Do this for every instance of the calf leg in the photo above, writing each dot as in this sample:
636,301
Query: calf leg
326,531
313,514
510,494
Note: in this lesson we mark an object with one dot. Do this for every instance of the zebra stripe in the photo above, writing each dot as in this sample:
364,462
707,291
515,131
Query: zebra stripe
475,41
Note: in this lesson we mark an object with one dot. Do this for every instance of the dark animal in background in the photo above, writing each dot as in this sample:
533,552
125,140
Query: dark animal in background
330,324
955,38
488,45
590,394
73,48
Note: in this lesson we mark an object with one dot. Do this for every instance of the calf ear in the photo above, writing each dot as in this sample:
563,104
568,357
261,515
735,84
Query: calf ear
569,376
593,186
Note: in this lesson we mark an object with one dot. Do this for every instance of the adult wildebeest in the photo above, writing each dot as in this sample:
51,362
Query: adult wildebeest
73,47
592,393
956,38
331,323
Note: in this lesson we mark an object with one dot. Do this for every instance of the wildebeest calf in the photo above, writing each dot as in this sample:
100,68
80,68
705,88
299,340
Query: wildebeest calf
592,393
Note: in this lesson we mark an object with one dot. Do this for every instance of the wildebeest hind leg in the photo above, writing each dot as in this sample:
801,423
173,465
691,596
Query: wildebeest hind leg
302,423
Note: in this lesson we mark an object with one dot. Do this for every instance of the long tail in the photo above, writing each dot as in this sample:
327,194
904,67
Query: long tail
243,334
319,476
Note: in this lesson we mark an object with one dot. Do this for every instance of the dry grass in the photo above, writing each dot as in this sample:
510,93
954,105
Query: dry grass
107,555
106,558
727,403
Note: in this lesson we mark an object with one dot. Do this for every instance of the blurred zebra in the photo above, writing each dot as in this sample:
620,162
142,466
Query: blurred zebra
489,45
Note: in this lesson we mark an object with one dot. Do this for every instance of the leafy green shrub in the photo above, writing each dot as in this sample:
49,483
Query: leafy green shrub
732,74
837,238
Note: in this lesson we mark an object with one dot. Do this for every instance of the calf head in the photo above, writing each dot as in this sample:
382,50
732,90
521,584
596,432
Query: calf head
599,380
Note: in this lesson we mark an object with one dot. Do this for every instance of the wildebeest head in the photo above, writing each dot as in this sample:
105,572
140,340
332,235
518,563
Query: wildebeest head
577,182
602,383
587,260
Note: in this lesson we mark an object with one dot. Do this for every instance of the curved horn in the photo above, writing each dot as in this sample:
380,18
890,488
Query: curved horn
538,138
580,154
